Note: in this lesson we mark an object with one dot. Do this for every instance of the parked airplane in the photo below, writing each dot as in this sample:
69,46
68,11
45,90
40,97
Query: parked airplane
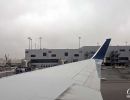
74,81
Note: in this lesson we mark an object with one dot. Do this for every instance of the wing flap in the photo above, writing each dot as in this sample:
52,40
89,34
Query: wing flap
79,92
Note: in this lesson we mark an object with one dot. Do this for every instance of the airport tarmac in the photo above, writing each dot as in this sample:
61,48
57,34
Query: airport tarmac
116,84
115,90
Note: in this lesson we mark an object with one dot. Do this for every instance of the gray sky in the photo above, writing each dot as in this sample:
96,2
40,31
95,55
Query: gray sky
60,22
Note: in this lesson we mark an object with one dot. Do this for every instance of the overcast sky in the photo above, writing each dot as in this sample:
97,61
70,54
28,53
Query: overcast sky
60,22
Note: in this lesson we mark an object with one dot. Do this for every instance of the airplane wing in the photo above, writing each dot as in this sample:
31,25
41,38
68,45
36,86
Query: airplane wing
74,81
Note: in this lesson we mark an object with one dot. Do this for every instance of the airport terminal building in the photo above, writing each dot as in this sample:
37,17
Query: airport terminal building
116,55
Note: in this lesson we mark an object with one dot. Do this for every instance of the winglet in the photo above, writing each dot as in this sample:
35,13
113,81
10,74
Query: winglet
100,54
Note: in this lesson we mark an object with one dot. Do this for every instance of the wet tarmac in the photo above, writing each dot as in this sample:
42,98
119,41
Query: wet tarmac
115,90
116,84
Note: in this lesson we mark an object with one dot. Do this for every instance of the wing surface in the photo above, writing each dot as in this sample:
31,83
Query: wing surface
74,81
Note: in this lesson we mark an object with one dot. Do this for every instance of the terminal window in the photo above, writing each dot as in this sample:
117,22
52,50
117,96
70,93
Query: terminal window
26,51
53,55
44,61
33,55
44,54
66,53
76,55
123,58
122,50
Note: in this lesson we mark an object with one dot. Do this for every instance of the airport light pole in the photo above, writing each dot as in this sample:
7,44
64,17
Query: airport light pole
126,43
31,42
79,38
79,41
29,38
35,45
40,39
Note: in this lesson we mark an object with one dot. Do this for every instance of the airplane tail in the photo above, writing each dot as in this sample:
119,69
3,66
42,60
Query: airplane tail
100,54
